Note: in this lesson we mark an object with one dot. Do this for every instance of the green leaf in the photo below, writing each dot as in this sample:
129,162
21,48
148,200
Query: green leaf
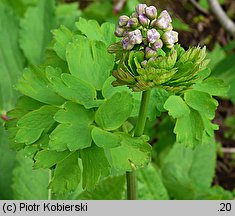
67,175
74,131
216,55
72,88
7,164
35,85
94,31
201,102
176,106
225,70
46,159
134,151
89,61
115,111
201,109
36,26
189,178
34,123
62,37
111,188
100,11
95,165
11,58
105,139
150,185
108,90
67,14
159,97
212,86
29,184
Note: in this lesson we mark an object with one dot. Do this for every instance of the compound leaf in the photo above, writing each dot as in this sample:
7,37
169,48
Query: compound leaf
95,165
67,175
94,31
89,61
47,159
35,32
29,184
212,86
111,188
134,151
115,111
176,106
72,88
150,185
34,123
35,85
11,58
105,139
62,37
74,131
201,102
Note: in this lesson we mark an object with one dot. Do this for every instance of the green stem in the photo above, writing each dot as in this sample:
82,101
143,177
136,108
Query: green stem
139,129
49,189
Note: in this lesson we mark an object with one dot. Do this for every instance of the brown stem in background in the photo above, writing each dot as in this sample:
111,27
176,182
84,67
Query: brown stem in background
222,17
198,7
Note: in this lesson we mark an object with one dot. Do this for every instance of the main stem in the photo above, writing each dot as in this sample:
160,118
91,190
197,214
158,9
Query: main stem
139,129
49,189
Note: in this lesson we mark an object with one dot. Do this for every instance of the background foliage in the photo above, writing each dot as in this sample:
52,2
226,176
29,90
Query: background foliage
27,28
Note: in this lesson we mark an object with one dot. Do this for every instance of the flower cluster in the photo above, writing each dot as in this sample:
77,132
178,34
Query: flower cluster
147,29
148,57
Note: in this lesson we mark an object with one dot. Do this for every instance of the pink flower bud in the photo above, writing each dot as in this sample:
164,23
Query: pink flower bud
140,8
126,44
158,44
144,63
119,31
123,20
164,21
152,35
143,20
135,37
132,23
169,38
151,12
149,53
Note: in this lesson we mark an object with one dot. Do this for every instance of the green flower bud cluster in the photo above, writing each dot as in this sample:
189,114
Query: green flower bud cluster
146,29
176,71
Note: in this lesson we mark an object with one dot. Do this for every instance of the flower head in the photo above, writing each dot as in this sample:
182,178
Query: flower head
148,56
